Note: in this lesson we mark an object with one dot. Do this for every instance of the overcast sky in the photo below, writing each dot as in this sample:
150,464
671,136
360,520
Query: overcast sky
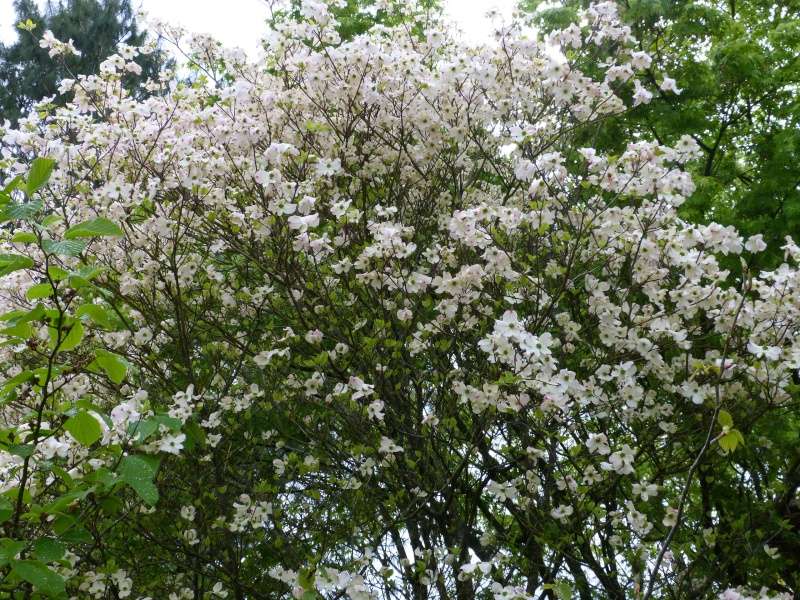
241,22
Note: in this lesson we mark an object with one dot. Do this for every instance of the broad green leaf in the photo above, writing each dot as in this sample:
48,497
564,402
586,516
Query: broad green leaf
84,428
38,574
112,505
64,247
103,476
41,373
40,290
725,419
77,534
39,174
6,509
19,212
98,227
13,262
97,313
24,237
143,429
562,589
71,339
51,219
15,184
12,383
18,321
13,316
139,474
64,501
22,450
112,364
9,549
57,273
20,330
48,550
64,475
731,440
83,276
171,422
87,272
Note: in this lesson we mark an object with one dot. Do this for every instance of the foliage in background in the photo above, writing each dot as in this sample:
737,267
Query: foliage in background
28,74
737,63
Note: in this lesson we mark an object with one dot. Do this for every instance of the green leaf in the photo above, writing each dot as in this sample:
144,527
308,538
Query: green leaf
97,313
64,501
15,381
167,421
13,262
38,574
6,509
17,321
41,290
39,174
87,272
19,212
14,184
731,440
23,237
143,429
57,273
9,549
725,419
51,219
84,428
73,337
77,534
21,450
112,364
139,474
64,247
98,227
20,330
563,589
48,550
83,276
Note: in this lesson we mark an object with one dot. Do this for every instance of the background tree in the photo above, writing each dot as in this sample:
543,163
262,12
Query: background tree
28,74
737,63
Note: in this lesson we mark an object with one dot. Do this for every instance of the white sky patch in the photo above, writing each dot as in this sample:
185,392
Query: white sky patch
235,23
470,17
7,17
241,23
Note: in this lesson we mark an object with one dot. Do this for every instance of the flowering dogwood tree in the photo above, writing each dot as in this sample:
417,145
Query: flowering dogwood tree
359,320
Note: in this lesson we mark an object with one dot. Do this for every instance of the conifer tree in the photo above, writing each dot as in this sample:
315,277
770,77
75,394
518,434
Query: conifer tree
28,74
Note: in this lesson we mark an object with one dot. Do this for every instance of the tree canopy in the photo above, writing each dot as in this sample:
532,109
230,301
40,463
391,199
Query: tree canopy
374,318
